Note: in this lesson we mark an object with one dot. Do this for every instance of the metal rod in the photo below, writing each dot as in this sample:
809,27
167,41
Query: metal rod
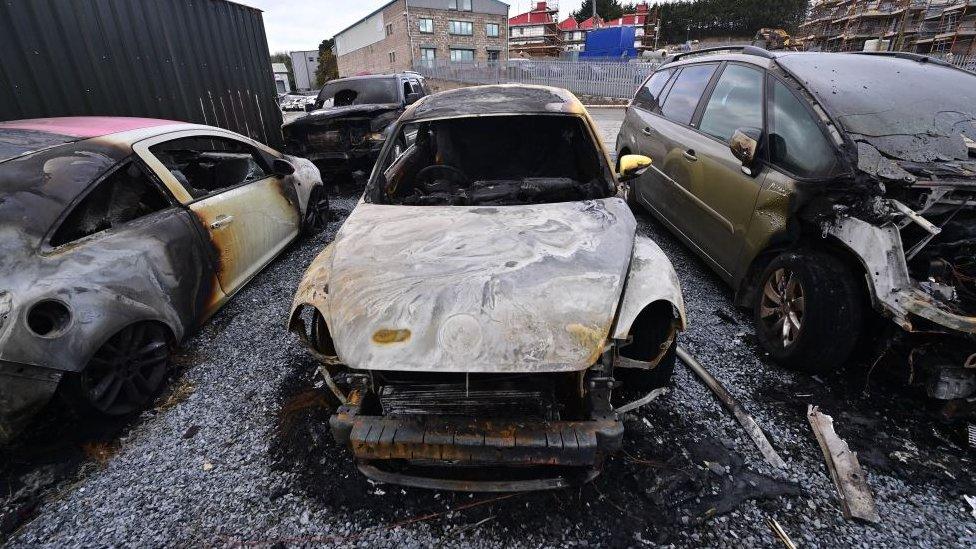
751,427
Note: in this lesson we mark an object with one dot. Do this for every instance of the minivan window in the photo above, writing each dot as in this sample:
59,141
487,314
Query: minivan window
735,103
679,105
648,95
796,143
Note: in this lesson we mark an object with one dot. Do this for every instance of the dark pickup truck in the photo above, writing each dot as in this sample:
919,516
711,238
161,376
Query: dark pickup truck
350,120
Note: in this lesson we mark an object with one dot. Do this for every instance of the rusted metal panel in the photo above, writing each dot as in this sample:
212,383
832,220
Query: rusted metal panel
203,61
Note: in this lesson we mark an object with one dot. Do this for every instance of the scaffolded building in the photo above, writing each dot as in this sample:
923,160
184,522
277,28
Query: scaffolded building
937,27
535,33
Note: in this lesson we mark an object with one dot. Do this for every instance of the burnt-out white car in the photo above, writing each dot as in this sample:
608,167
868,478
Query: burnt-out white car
487,294
118,236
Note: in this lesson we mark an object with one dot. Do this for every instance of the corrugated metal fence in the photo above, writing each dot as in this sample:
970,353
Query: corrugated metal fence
598,78
202,61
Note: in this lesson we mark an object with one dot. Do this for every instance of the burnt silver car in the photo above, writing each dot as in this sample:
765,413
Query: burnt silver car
118,236
482,301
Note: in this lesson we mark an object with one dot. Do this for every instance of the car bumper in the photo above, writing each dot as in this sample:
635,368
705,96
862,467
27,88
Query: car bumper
523,455
24,390
341,159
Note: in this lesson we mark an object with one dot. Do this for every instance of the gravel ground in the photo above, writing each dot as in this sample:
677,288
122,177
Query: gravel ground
238,452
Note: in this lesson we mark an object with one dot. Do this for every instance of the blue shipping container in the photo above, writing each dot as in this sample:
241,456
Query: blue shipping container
610,42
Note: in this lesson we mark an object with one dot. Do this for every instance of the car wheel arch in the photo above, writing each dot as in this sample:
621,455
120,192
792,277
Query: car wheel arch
651,279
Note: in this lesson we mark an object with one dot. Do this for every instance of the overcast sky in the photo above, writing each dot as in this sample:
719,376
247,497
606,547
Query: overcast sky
302,24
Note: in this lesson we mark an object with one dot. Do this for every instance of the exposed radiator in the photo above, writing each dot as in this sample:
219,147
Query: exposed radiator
495,400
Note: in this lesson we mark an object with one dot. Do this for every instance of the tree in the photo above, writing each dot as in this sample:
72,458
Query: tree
283,57
328,65
689,19
605,9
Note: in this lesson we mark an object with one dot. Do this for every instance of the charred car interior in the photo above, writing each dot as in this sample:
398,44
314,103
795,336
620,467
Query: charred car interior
449,164
473,310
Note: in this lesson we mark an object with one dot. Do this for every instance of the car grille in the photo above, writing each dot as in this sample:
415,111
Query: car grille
484,400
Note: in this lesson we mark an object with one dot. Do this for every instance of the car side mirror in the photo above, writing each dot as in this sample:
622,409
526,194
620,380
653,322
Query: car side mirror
745,146
282,167
412,98
632,166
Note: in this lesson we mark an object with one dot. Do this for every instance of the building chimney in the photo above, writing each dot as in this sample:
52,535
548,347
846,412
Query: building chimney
541,6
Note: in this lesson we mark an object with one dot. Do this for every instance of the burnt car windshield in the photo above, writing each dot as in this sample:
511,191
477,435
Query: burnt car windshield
928,99
492,160
365,91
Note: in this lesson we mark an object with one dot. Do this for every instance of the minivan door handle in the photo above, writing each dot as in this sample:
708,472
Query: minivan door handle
647,131
690,155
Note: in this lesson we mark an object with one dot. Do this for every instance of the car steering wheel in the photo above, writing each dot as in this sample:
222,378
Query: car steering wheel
430,173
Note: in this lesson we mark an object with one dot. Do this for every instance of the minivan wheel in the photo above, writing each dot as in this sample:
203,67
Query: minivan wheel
809,311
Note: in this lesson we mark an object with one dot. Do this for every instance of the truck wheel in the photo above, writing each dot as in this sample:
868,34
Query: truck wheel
124,374
810,311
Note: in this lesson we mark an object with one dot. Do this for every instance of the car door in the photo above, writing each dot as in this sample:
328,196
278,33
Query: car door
676,142
227,183
722,194
640,134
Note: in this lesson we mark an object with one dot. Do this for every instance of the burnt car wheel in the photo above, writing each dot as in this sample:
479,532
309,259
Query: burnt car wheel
809,312
125,373
317,212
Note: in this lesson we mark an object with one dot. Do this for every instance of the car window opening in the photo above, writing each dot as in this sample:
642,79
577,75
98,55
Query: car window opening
205,165
123,196
495,160
364,91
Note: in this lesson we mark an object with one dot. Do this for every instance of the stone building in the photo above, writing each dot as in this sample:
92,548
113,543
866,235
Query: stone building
403,33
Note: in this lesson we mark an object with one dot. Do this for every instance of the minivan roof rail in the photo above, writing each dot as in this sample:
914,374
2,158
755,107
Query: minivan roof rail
745,50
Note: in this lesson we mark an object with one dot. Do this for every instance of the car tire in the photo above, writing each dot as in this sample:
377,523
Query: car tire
645,381
124,374
809,310
316,212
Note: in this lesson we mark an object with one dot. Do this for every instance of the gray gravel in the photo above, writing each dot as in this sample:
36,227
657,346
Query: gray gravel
207,470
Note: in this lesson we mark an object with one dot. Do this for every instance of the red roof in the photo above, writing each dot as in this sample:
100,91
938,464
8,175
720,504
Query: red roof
630,20
539,15
85,126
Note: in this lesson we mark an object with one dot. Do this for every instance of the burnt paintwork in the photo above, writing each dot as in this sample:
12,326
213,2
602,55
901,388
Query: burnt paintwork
161,267
408,293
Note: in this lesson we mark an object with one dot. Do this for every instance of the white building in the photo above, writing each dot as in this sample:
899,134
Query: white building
281,77
305,64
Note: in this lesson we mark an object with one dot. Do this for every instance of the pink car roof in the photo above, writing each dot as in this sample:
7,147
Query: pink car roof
85,126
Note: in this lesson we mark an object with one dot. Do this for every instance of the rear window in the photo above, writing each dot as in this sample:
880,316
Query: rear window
15,142
686,92
365,91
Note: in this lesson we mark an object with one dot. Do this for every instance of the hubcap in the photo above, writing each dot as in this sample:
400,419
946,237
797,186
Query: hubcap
781,307
126,372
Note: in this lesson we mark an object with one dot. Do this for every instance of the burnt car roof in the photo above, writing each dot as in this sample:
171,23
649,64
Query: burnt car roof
21,137
36,188
499,99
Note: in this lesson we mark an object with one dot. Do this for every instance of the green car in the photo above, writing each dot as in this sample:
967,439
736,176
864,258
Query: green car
822,186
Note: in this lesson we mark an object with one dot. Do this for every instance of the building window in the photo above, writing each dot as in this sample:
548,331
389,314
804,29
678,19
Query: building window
493,55
389,29
491,29
464,28
460,5
426,26
460,55
428,55
392,57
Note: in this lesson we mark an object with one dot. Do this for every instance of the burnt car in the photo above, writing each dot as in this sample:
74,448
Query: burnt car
350,120
118,236
822,187
481,302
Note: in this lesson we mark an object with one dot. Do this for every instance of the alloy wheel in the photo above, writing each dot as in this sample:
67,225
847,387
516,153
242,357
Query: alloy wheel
317,212
127,370
782,306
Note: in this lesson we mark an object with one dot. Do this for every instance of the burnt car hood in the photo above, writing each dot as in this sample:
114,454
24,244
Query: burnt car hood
478,289
342,112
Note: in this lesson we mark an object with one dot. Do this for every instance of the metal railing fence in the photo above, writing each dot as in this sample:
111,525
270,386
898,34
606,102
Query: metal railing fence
599,78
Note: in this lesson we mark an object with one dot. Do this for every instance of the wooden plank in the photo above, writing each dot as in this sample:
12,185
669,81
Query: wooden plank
852,485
